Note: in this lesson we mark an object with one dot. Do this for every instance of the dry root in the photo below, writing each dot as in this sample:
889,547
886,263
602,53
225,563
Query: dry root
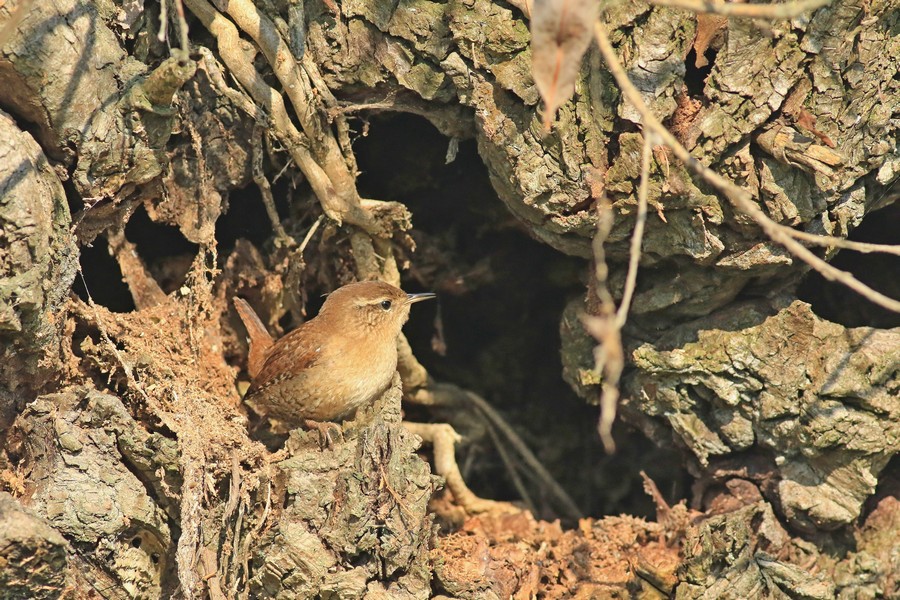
443,439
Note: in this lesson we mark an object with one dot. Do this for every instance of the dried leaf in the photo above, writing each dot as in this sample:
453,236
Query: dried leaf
560,35
806,120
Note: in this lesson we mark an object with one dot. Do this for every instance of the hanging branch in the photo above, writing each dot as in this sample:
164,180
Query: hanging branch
634,253
606,326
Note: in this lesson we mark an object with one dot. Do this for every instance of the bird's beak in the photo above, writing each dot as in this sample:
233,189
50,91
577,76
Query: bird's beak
413,298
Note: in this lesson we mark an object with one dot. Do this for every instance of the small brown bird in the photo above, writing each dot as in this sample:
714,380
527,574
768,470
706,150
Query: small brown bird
333,364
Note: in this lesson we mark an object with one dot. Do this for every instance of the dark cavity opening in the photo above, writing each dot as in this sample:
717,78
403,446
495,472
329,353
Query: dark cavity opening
245,216
838,303
103,278
694,76
166,253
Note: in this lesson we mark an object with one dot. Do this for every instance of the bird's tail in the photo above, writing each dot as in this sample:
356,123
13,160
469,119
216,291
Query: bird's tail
260,340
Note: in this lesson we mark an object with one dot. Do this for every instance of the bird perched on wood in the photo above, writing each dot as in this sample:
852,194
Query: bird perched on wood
333,364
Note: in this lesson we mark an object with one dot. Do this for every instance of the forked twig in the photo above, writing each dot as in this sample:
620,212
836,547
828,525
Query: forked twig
540,474
447,394
513,469
265,190
609,356
443,439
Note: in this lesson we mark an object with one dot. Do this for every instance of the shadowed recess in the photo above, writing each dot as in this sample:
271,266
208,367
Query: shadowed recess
501,295
246,217
165,251
839,304
103,278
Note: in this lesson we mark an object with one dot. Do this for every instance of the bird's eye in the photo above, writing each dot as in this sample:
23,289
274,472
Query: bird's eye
386,304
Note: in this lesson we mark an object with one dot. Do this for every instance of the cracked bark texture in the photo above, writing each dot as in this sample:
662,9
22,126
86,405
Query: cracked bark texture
362,504
34,553
38,259
130,466
476,55
83,481
816,400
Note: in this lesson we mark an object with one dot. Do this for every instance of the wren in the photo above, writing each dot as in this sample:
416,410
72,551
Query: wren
333,364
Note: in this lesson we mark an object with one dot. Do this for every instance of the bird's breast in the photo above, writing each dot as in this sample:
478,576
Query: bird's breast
357,377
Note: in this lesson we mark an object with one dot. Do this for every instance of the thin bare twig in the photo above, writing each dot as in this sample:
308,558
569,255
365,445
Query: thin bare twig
259,177
740,199
310,233
829,241
513,469
606,327
634,253
541,473
182,26
608,354
163,35
788,10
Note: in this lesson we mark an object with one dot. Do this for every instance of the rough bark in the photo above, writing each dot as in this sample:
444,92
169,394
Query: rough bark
362,504
34,553
126,453
814,401
38,259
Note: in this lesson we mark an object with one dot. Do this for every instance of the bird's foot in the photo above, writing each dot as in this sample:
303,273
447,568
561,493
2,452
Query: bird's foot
327,432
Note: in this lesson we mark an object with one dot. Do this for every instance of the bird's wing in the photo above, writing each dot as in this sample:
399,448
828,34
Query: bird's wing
288,357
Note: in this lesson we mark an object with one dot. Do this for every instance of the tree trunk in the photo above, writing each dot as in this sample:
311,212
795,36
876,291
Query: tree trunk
240,166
